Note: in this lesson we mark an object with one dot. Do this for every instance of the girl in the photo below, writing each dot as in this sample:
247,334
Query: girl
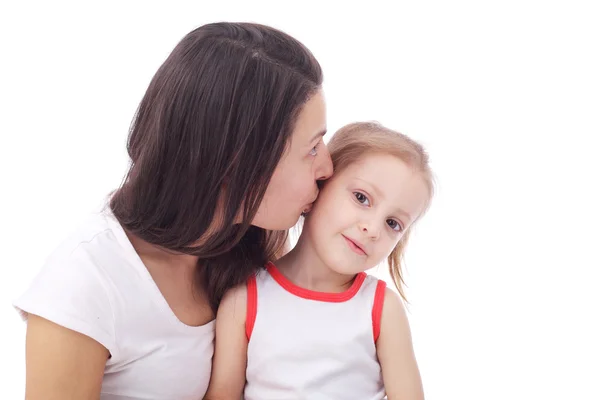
226,150
314,325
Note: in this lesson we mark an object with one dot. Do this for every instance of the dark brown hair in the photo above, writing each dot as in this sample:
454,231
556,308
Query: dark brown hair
354,141
210,130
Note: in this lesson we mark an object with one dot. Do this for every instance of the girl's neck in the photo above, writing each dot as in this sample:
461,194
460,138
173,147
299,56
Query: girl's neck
303,267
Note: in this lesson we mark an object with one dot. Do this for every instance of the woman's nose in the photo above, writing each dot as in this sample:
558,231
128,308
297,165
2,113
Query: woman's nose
325,168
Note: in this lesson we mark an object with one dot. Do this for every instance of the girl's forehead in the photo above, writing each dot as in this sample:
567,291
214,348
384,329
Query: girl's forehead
373,165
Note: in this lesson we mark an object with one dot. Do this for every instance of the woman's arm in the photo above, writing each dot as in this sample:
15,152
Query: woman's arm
395,352
61,363
229,362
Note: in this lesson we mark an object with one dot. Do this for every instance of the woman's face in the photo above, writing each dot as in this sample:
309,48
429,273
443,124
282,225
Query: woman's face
293,186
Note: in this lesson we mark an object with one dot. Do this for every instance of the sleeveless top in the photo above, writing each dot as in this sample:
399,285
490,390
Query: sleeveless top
312,345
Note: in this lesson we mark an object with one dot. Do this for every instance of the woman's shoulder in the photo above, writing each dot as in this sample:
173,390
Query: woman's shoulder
99,234
97,250
79,283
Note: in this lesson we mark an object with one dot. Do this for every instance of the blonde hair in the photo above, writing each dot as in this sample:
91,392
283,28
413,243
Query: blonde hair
354,141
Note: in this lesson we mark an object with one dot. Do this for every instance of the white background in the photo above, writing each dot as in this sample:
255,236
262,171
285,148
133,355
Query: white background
503,271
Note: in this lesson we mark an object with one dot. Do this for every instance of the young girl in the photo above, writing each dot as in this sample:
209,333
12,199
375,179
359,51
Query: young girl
315,325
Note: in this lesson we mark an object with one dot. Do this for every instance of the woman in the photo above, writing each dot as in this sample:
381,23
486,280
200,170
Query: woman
226,150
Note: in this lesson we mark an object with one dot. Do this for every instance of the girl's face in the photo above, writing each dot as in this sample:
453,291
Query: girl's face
293,186
362,212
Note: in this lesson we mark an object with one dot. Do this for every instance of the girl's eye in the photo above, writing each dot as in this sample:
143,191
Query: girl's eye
361,198
313,151
392,223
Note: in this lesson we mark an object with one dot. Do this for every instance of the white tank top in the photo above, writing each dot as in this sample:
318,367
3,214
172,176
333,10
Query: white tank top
304,344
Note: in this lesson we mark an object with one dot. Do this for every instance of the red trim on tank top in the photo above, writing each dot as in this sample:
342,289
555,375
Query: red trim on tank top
378,308
251,305
311,294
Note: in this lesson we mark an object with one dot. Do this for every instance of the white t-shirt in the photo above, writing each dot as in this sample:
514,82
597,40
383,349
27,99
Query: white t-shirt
96,284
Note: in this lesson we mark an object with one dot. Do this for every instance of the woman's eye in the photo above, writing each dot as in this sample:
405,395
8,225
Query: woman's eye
313,151
392,223
362,199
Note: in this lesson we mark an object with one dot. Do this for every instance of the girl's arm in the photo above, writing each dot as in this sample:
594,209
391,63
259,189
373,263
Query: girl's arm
229,361
395,352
